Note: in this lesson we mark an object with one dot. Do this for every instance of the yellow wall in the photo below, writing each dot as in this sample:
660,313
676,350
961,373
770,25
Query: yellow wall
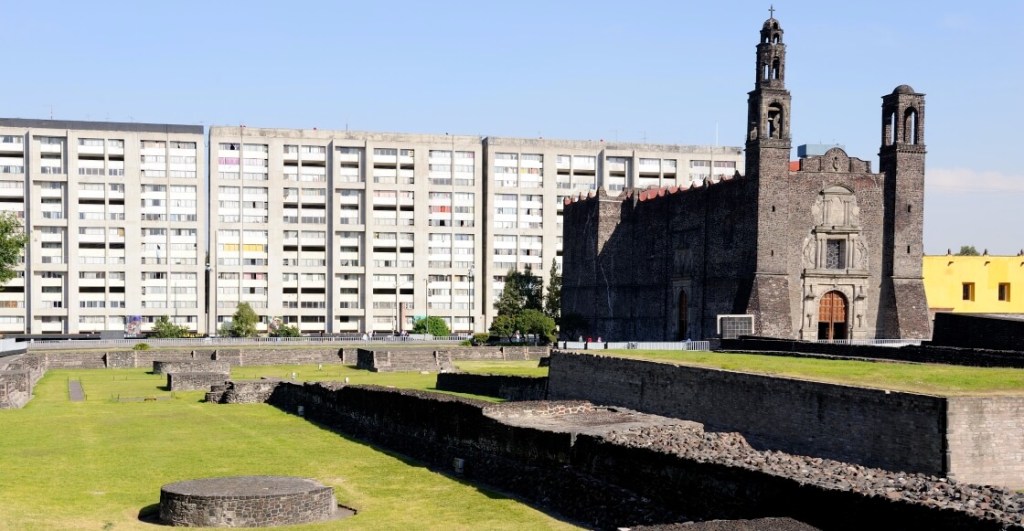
945,275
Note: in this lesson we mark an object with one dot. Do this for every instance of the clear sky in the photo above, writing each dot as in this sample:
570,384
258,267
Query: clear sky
668,72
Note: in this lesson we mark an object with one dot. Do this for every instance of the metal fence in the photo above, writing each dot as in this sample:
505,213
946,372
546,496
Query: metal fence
229,342
637,345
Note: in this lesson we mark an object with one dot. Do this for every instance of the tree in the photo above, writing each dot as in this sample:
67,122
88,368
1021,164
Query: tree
12,245
522,291
432,325
243,322
531,321
503,326
279,328
553,299
164,328
967,250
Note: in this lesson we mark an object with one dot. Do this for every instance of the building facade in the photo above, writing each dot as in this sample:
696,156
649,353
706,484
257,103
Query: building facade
116,218
975,284
333,231
349,232
828,250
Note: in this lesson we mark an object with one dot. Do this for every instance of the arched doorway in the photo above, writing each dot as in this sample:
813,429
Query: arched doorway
684,332
832,316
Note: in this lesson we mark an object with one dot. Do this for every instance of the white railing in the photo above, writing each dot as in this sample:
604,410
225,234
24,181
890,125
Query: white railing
636,345
218,342
873,342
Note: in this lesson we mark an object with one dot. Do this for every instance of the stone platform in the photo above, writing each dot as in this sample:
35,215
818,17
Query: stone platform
246,501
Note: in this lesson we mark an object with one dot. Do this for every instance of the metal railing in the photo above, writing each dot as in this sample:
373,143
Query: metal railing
872,342
636,345
218,342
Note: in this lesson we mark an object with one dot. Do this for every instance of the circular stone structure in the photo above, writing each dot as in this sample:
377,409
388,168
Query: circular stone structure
246,501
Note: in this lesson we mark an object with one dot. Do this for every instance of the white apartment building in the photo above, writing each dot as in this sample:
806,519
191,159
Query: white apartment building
116,217
350,232
333,231
528,179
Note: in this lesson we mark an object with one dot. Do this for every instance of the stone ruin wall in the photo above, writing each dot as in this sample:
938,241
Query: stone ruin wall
194,381
594,479
18,376
167,367
971,439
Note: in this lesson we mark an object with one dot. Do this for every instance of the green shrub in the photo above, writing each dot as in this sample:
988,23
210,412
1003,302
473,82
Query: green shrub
141,346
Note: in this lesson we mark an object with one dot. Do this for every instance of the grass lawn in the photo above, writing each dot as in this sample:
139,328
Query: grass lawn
945,380
95,464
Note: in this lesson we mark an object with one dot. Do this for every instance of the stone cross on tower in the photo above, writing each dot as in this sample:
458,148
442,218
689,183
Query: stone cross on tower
771,10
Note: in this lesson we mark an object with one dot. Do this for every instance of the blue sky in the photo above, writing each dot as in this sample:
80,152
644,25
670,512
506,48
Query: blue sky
667,72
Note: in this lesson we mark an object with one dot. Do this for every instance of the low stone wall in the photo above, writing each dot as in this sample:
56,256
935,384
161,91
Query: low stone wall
641,477
194,381
167,367
499,386
122,359
404,360
976,439
244,392
925,353
978,332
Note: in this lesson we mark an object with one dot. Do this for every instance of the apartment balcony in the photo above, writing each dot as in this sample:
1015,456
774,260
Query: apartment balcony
315,158
90,150
115,151
8,145
54,193
82,238
92,282
347,157
50,148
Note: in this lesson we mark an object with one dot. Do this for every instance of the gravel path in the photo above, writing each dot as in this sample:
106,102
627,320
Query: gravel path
75,391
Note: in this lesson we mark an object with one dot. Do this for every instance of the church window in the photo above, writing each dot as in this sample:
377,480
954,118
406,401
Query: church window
968,291
835,254
1004,291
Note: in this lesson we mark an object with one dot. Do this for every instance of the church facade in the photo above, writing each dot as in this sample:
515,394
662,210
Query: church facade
831,250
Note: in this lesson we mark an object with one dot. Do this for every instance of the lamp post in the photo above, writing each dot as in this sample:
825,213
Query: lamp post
426,303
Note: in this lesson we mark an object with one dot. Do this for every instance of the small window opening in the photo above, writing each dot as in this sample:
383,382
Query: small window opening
835,254
910,127
908,249
908,208
968,291
1004,291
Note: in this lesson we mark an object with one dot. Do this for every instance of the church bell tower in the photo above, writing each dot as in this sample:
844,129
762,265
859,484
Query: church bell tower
767,164
768,107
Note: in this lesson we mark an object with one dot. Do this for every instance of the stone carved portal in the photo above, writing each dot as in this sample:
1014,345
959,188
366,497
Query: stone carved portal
832,316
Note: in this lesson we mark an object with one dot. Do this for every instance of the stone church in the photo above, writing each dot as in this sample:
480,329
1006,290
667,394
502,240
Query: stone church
831,250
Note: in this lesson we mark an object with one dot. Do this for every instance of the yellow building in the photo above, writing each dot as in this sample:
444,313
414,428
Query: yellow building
975,284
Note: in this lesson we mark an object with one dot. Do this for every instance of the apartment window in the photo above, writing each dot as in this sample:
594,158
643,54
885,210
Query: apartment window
1004,291
968,291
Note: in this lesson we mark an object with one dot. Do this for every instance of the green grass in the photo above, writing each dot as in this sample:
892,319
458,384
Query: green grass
95,464
945,380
